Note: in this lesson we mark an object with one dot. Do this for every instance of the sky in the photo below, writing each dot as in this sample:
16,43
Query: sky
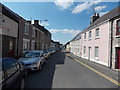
65,19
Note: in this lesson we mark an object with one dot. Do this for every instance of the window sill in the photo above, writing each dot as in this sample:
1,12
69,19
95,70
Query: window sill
96,58
26,33
90,38
117,36
33,36
97,37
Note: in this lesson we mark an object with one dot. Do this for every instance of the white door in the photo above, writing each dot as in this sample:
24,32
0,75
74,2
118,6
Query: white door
89,53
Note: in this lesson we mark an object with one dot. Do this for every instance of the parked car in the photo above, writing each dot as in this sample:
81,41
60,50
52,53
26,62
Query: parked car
46,54
13,74
33,60
49,52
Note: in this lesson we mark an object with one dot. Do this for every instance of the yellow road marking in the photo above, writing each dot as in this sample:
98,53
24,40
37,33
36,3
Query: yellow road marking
96,71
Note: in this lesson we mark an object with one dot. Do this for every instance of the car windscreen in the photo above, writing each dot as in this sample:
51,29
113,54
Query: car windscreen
31,55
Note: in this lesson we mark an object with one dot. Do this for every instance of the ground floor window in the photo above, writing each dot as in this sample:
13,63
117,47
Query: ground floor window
33,45
26,43
96,52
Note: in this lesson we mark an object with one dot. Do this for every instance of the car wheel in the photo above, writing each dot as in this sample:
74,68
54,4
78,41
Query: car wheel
22,84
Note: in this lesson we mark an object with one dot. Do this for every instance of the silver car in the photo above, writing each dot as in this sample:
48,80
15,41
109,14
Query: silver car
33,60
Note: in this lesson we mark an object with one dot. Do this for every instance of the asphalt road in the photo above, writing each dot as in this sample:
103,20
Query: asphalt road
61,71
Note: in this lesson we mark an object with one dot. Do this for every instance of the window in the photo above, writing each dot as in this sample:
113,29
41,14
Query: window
90,34
33,45
26,28
96,52
84,50
84,35
10,67
26,43
118,28
36,33
97,32
33,32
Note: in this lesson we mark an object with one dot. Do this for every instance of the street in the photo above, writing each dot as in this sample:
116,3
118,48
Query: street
62,71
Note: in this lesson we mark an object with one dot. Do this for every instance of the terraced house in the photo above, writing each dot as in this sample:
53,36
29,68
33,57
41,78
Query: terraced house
100,42
19,35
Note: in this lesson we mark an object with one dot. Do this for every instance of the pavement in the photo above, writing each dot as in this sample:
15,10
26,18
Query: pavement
63,71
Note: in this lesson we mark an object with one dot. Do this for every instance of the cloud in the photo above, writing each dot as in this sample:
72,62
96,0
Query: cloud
64,4
85,6
65,31
100,8
103,13
44,24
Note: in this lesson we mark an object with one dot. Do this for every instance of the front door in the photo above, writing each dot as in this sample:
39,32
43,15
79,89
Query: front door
89,53
118,58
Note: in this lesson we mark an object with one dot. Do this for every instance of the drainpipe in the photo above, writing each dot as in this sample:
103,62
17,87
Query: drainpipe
18,37
111,43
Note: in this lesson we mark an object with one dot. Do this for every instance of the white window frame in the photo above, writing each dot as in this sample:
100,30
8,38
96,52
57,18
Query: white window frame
90,35
85,36
96,53
26,41
33,45
97,32
26,30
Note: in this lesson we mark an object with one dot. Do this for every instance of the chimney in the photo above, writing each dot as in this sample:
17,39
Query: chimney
36,22
29,21
94,18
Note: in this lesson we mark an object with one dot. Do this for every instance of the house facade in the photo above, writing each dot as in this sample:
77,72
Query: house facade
8,34
75,45
55,45
19,35
100,42
115,51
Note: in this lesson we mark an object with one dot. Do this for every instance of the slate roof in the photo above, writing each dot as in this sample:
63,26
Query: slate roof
111,14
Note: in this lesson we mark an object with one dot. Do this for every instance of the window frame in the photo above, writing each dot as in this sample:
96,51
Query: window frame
27,41
90,34
96,56
85,36
8,74
117,28
26,30
97,31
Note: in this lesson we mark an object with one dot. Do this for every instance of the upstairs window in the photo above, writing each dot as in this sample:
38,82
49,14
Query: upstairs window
84,35
26,28
90,34
33,32
118,28
97,32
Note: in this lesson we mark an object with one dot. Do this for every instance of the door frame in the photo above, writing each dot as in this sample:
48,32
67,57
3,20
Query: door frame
89,53
118,58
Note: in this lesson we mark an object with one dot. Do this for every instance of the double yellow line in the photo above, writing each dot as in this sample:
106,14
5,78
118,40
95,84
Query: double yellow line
99,73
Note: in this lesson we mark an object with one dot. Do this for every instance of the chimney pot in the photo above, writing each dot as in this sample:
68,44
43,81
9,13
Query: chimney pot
36,22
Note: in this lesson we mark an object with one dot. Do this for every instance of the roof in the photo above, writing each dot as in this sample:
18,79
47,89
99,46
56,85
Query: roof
78,36
110,15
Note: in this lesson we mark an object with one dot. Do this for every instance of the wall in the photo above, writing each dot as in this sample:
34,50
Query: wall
102,42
